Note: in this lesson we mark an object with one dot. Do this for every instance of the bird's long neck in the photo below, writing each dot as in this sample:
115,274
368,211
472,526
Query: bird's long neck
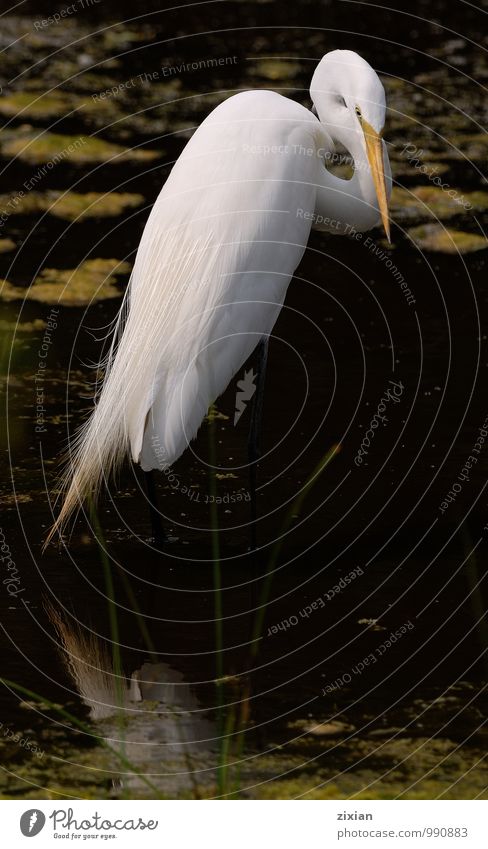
344,206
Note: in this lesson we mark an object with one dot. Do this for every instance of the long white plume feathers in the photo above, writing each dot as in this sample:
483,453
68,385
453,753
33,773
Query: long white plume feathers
163,292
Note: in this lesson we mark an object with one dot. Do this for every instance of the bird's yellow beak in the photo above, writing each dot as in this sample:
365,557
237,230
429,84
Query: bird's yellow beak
374,151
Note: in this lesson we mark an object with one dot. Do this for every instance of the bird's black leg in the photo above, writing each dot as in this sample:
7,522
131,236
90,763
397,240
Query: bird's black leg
158,532
253,445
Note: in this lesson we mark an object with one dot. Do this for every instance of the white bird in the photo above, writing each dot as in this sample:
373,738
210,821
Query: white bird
219,249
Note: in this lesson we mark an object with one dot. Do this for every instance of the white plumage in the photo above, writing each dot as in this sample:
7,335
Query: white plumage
217,254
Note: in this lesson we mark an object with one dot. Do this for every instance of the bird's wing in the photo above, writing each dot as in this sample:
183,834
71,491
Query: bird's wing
222,242
219,248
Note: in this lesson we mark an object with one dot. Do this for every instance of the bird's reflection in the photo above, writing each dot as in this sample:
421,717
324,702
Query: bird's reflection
151,716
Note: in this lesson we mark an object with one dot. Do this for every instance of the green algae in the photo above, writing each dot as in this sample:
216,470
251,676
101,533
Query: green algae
70,206
47,147
215,415
37,104
424,202
7,325
6,245
469,147
407,767
275,69
76,207
436,238
94,280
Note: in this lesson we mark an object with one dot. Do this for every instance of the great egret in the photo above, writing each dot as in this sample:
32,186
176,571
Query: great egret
218,251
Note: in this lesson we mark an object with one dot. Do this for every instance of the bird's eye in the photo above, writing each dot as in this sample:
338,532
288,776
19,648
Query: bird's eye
358,111
341,101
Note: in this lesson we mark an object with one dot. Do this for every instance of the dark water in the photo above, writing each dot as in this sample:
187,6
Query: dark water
118,642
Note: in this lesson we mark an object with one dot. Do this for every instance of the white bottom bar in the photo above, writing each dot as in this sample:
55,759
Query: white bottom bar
241,824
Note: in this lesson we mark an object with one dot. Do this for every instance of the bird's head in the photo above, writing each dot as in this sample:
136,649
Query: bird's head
350,99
